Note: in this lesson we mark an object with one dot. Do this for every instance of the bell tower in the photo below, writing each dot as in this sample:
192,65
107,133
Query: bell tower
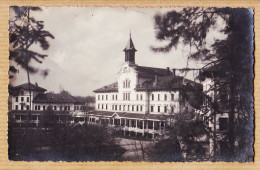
130,51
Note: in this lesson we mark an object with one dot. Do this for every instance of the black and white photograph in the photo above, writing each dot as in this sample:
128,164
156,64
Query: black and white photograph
131,84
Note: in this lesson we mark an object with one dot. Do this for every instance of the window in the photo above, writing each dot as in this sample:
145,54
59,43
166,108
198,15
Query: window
60,107
124,108
23,117
65,107
151,108
16,107
141,97
106,97
165,97
35,107
102,107
141,108
172,109
68,107
123,84
128,84
106,106
152,97
16,99
55,107
128,108
140,124
158,97
116,97
158,108
137,108
21,107
123,96
43,107
102,97
113,97
112,107
137,97
27,107
133,107
165,109
133,123
39,107
22,99
172,97
223,124
156,125
34,117
115,107
98,106
17,117
98,97
75,107
150,124
28,99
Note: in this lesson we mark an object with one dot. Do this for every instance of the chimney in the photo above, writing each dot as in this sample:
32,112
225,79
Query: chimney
173,72
155,80
36,84
167,71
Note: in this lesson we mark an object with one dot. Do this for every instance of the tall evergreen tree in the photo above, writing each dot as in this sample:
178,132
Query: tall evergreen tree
25,31
229,60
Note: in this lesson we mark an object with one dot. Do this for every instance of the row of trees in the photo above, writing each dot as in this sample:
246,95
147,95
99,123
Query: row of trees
60,140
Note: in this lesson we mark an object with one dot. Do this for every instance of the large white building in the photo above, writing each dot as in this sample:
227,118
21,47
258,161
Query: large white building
143,97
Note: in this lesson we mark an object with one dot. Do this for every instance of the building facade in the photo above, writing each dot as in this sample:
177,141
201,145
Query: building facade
46,108
221,121
143,98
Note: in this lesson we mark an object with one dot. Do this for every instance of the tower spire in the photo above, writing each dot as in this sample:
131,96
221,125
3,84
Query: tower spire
130,50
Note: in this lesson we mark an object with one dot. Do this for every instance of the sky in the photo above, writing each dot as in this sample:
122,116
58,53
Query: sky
87,51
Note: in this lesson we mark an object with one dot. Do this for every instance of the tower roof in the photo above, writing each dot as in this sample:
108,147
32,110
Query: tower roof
130,45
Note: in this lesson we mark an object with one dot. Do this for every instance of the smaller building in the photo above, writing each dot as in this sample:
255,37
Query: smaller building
47,109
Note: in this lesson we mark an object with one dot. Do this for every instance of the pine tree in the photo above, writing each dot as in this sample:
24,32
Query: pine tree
229,61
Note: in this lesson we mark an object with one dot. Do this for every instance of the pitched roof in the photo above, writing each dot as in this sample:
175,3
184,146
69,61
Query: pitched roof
130,45
169,83
62,97
87,99
33,87
133,115
38,112
152,71
101,113
157,117
130,115
109,88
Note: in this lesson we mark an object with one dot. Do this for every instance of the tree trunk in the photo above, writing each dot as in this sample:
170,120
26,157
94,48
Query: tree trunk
28,76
